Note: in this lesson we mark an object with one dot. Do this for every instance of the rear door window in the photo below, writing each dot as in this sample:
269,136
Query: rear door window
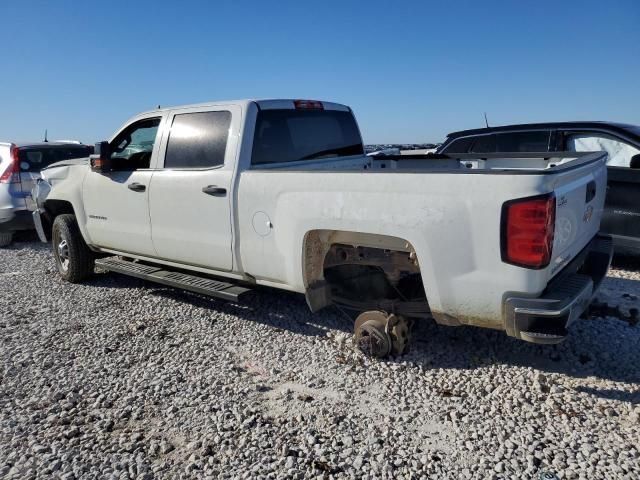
34,159
287,135
536,141
198,140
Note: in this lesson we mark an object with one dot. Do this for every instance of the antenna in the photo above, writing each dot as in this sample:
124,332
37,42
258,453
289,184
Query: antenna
45,135
486,122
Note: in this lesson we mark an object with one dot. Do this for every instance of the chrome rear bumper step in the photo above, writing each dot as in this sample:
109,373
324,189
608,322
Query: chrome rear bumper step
185,281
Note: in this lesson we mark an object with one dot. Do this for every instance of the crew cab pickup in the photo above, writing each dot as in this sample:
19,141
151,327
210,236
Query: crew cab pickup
219,197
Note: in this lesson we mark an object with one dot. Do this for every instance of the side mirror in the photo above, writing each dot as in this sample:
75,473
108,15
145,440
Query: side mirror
101,159
635,161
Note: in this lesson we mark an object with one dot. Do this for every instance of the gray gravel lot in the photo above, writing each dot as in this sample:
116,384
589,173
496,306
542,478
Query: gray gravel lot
118,378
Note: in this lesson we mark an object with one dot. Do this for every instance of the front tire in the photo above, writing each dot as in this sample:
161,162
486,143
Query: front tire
74,260
5,239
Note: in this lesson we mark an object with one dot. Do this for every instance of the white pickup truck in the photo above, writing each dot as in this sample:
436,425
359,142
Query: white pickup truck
218,197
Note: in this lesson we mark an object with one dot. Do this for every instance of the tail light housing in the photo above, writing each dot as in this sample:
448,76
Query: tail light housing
527,231
12,172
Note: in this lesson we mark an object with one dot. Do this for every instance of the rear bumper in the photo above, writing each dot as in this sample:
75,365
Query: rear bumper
546,319
20,220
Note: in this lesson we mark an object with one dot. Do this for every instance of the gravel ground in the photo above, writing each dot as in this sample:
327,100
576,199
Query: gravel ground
119,378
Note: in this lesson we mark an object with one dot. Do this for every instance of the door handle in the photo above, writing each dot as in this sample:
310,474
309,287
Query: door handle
214,190
137,187
591,191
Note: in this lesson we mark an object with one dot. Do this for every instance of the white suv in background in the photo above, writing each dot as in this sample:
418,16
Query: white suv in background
20,165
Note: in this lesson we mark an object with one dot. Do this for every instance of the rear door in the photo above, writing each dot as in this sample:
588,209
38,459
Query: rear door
622,210
190,201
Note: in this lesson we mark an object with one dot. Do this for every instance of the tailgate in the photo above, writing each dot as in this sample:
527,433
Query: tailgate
580,195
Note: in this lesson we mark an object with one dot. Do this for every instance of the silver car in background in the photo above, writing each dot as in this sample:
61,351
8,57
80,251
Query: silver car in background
20,165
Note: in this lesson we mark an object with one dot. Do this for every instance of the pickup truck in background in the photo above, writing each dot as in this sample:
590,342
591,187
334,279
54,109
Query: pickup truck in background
621,216
219,197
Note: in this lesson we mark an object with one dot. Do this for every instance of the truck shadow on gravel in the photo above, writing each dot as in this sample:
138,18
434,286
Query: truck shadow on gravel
606,349
274,308
626,262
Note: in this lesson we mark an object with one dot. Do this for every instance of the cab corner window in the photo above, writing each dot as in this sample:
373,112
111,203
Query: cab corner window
198,140
132,148
461,145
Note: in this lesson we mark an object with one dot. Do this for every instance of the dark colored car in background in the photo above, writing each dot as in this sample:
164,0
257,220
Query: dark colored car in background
621,218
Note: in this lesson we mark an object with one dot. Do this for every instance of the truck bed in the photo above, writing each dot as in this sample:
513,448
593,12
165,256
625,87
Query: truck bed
517,162
447,210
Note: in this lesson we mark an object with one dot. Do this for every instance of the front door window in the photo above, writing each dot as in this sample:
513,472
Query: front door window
131,149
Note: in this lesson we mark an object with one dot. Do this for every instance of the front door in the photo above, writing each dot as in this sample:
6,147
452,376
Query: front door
190,195
621,216
117,202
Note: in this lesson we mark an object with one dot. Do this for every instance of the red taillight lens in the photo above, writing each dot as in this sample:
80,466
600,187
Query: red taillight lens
527,231
12,172
308,105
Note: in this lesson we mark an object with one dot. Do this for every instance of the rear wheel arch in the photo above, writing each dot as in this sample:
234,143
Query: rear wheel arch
324,249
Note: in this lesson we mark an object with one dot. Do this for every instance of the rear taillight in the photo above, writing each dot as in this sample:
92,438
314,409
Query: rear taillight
308,105
12,172
527,231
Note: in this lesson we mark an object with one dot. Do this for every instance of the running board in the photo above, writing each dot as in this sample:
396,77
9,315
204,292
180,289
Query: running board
184,281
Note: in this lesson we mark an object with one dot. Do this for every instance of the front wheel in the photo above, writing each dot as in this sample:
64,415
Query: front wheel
74,260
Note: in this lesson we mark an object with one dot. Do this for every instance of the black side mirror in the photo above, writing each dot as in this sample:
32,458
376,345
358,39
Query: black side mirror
635,161
101,159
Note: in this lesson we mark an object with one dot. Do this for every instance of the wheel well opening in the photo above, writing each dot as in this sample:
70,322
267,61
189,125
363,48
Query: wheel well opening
53,208
364,272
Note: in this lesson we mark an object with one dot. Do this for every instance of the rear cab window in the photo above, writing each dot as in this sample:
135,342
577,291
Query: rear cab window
288,135
34,159
484,144
532,141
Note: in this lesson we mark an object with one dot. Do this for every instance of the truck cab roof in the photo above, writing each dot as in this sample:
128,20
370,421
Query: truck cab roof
265,104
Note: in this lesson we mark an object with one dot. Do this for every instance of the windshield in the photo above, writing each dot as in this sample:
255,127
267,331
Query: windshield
292,135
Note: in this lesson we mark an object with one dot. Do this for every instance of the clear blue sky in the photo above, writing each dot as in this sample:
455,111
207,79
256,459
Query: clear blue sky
412,71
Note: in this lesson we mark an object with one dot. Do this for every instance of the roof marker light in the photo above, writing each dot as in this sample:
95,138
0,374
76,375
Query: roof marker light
308,105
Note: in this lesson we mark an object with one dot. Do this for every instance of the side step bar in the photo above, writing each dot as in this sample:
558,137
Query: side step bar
184,281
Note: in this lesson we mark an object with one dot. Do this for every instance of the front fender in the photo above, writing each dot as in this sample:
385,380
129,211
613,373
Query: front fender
60,191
